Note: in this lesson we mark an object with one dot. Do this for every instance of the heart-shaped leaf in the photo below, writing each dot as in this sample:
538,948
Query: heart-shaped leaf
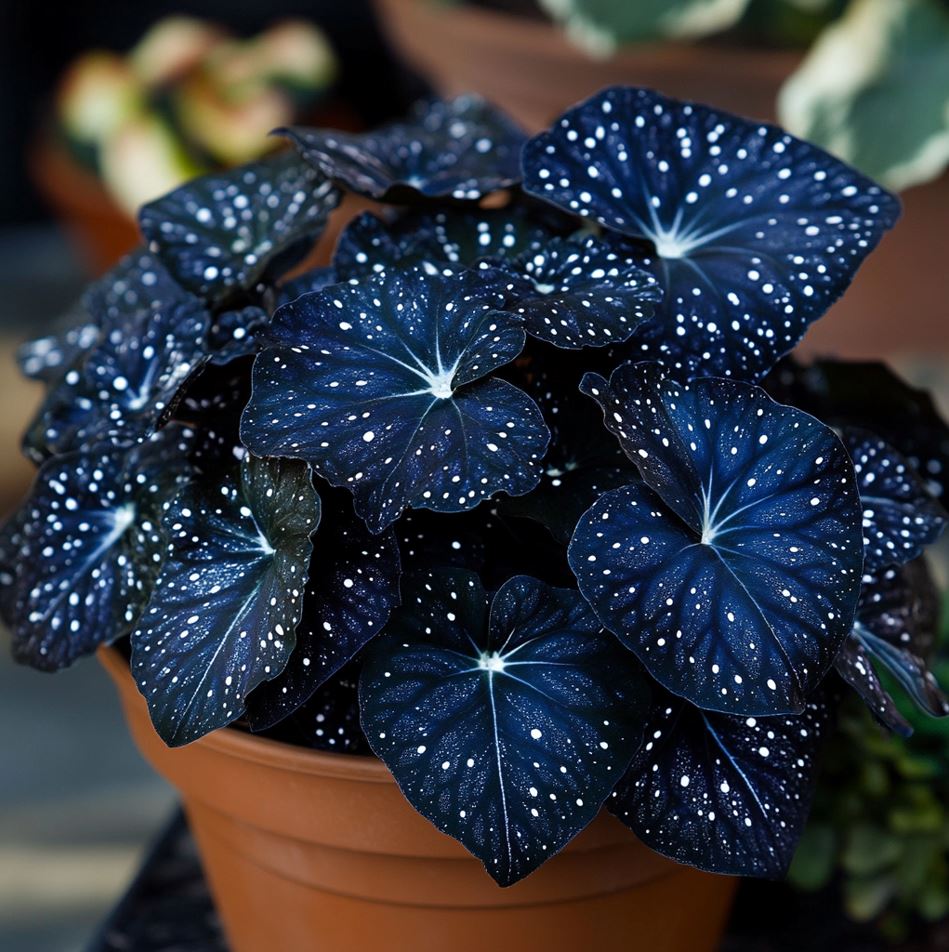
90,545
378,384
123,386
224,610
734,571
900,517
726,794
582,293
231,230
896,619
756,233
352,586
462,148
506,728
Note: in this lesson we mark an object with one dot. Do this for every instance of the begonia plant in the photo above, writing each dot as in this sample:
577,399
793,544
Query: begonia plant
519,494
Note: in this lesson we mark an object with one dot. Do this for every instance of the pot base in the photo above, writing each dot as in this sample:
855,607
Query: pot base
305,850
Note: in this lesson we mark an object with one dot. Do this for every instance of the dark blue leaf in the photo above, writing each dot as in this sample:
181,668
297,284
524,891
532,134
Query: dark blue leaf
48,358
507,730
139,282
229,231
895,624
153,337
900,517
378,384
734,571
224,610
583,460
726,794
352,586
313,280
756,233
870,395
234,333
582,293
462,148
91,546
454,236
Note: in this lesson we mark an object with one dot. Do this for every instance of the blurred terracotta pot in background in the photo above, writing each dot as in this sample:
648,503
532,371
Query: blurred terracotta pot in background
310,850
530,68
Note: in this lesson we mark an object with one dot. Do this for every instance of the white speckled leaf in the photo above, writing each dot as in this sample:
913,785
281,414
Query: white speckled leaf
352,586
726,794
757,233
507,729
90,546
584,292
900,517
895,625
379,384
733,571
153,336
225,608
462,148
230,230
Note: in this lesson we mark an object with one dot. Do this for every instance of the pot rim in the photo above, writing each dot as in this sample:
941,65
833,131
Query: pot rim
261,750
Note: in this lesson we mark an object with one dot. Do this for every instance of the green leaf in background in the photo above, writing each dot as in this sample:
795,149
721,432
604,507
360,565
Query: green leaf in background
599,26
874,90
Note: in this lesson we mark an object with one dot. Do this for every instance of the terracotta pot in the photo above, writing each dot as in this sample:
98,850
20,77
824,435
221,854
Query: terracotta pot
531,69
306,850
895,307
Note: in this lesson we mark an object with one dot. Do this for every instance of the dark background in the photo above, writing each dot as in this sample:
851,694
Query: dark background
38,40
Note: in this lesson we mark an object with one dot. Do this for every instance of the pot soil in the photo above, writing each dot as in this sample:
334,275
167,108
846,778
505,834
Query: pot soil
310,850
528,67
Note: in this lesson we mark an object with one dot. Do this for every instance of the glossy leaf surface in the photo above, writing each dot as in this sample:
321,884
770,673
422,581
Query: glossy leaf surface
458,237
756,233
461,148
582,293
382,385
90,545
726,794
352,586
896,621
506,727
900,517
224,612
229,230
733,571
153,337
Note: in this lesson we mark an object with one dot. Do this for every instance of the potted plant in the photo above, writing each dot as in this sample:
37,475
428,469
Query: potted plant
498,498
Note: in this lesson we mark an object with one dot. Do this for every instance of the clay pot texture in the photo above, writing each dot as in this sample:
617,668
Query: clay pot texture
310,850
897,304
